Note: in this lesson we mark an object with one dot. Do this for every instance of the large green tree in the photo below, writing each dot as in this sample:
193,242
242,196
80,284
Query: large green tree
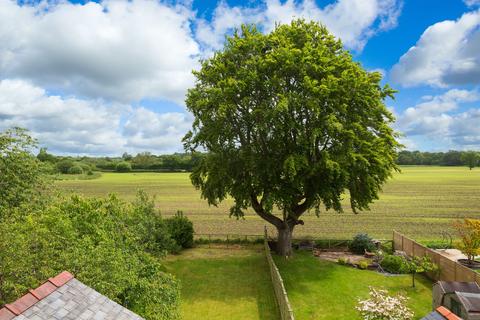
290,123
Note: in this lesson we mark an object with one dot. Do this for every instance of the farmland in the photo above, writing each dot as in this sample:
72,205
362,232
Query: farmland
419,201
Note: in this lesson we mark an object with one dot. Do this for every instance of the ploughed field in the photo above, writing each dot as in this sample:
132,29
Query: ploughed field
421,201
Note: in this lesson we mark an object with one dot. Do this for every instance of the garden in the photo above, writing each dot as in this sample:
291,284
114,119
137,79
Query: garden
220,282
321,289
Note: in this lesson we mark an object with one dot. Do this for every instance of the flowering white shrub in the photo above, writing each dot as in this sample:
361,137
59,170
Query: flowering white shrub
381,306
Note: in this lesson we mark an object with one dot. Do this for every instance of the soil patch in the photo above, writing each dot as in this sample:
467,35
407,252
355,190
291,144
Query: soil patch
335,255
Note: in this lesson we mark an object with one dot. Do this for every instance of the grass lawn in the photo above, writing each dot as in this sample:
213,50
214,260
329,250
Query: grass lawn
419,202
319,289
221,283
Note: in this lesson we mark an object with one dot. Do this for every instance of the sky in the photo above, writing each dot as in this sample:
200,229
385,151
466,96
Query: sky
103,78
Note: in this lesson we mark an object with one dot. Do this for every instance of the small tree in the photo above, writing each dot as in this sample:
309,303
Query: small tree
75,169
381,306
419,265
468,231
123,167
63,166
471,159
290,123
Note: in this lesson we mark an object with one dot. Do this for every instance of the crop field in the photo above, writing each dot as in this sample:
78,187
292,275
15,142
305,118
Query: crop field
420,202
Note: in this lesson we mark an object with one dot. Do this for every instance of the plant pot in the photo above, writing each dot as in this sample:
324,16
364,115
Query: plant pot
469,264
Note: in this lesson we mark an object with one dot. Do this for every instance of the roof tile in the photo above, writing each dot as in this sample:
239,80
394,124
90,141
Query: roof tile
22,304
61,279
447,313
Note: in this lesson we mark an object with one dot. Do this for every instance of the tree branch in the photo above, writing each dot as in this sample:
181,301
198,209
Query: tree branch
277,222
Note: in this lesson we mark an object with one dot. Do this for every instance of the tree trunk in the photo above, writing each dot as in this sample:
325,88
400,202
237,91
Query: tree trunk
284,242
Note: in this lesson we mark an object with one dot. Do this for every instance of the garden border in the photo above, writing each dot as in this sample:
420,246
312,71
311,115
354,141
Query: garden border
286,312
449,270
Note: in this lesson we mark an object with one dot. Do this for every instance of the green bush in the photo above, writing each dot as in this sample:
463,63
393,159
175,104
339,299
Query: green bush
360,243
363,264
106,243
394,264
123,167
64,166
181,230
85,166
342,261
76,169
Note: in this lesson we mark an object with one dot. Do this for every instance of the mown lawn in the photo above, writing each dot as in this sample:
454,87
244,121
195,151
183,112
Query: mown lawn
319,289
420,202
224,283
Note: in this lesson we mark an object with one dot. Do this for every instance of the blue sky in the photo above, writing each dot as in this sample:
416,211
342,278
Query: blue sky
101,78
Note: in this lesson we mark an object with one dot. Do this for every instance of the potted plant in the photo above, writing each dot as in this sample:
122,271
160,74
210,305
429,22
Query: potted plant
468,231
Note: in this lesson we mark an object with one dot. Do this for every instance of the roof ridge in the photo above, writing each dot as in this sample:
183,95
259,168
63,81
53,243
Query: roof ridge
447,314
16,308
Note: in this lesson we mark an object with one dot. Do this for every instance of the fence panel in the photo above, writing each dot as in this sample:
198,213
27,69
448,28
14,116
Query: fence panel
286,311
449,270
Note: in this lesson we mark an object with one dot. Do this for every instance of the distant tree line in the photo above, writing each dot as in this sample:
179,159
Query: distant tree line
144,161
470,159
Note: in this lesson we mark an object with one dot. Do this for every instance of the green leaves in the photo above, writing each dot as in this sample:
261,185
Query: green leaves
290,120
21,176
110,245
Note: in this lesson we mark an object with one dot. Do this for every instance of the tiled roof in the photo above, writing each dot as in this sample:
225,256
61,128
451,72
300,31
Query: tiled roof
441,313
64,297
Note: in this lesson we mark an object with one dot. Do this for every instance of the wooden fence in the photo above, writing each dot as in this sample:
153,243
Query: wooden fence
449,270
286,312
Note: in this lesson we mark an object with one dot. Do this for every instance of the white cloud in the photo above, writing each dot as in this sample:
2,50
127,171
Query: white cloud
149,130
71,125
354,21
437,118
446,54
472,3
121,50
100,58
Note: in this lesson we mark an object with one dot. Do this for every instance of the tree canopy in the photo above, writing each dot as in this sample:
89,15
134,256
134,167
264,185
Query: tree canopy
290,122
471,159
21,176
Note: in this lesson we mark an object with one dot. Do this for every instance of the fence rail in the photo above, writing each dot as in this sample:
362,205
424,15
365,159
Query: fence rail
286,312
449,270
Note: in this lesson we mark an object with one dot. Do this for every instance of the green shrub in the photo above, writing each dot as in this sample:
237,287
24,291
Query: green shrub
105,242
394,264
123,167
181,230
85,166
64,166
362,242
75,169
342,261
363,264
